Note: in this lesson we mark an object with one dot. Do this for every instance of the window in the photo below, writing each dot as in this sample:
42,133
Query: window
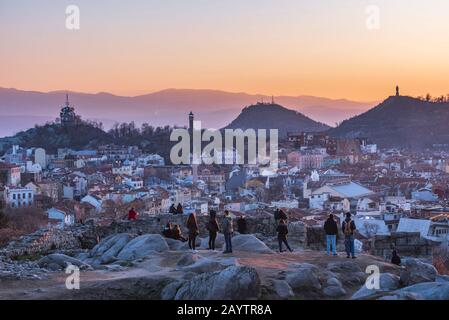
14,196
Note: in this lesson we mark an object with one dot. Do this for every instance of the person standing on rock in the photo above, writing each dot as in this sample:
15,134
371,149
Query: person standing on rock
192,226
228,230
132,214
213,228
331,229
348,227
282,231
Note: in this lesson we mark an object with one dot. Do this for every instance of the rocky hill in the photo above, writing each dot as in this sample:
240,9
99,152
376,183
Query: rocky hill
400,121
53,136
275,116
126,262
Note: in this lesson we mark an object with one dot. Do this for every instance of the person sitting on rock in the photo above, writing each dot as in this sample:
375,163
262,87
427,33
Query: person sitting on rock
192,226
177,234
179,209
132,214
172,209
395,259
213,228
241,225
168,231
282,231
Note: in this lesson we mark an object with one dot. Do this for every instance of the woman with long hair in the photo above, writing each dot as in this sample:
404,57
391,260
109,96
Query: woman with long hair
192,226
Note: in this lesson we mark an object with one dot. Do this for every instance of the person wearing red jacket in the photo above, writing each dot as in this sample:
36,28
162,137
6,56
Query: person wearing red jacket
132,214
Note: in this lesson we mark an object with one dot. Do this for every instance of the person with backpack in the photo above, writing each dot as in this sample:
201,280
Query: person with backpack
331,229
282,231
348,227
228,230
395,259
192,226
213,228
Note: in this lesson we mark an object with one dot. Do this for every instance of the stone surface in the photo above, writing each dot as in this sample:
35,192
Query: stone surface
425,291
107,250
248,242
283,289
232,283
143,246
388,282
56,262
304,278
416,271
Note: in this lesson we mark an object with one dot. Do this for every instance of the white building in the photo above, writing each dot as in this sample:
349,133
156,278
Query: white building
345,190
18,197
63,218
94,201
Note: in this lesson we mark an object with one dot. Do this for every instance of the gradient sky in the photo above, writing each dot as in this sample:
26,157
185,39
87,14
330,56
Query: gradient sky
280,47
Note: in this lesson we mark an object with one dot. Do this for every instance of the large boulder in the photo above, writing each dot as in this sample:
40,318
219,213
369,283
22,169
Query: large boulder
143,246
169,292
107,250
249,243
57,262
416,271
175,245
387,282
283,289
304,279
334,289
349,273
422,291
232,283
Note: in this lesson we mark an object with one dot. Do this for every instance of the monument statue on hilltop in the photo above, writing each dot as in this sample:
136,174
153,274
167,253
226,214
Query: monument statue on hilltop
67,114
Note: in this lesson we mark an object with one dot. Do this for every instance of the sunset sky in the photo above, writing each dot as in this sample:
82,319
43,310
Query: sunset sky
279,47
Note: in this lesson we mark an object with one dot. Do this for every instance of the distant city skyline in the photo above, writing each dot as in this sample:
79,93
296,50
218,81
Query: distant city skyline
319,48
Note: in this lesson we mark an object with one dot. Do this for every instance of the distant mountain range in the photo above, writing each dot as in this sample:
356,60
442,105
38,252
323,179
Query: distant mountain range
274,116
20,110
400,121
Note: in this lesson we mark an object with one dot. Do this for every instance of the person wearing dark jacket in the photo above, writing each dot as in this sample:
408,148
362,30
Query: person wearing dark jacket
172,209
331,229
228,229
213,228
241,225
348,227
179,209
395,259
282,231
192,226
